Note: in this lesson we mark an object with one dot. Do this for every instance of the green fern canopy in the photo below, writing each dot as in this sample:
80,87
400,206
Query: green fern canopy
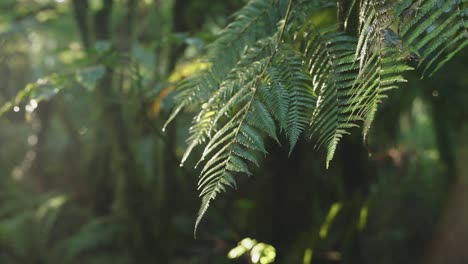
276,68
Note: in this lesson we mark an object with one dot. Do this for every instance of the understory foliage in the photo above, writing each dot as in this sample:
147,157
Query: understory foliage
275,69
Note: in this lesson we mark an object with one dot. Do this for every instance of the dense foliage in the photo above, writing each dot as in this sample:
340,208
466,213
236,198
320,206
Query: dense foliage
275,69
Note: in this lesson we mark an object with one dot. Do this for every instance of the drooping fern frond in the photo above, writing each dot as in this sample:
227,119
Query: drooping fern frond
289,76
383,53
430,32
434,28
271,74
191,91
220,102
382,72
254,22
237,138
330,61
245,116
374,18
347,94
239,114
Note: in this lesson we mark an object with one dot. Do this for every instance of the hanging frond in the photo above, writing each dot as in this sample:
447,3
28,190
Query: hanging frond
429,32
432,29
379,52
382,72
374,18
194,90
243,115
240,114
330,61
256,21
238,136
289,77
220,102
271,74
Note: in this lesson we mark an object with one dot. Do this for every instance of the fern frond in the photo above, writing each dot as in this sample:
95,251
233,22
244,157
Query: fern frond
288,74
261,118
434,28
374,18
228,95
382,73
255,21
348,93
269,73
238,138
276,100
242,117
191,91
330,61
379,52
427,29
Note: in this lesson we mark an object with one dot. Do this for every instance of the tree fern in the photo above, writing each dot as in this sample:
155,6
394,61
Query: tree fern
274,70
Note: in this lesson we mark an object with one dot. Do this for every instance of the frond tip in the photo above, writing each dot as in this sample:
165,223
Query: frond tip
237,137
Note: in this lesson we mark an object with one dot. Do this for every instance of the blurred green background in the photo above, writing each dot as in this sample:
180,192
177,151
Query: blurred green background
88,176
